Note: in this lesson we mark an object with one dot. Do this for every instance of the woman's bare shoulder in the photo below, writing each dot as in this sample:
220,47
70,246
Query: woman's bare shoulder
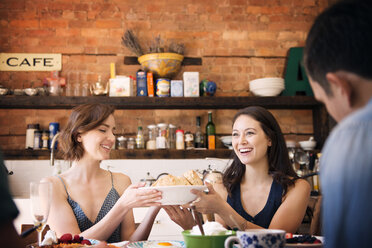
301,186
121,181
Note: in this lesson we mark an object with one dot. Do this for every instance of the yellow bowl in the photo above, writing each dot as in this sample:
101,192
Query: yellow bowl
162,65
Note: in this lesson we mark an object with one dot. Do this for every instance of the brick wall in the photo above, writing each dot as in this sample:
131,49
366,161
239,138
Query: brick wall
238,40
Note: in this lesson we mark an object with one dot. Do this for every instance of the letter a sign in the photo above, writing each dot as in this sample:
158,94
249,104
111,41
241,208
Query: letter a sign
30,61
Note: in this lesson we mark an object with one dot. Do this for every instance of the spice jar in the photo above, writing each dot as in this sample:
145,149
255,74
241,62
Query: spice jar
37,139
151,143
172,136
31,128
131,143
180,144
122,143
45,140
161,138
189,140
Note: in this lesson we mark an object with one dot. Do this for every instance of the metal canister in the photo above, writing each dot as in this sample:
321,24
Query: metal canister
162,87
53,130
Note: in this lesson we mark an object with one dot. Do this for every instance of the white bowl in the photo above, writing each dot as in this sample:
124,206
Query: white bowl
267,91
307,144
177,195
227,141
31,91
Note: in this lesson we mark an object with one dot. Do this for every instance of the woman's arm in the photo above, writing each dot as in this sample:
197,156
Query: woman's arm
292,210
143,230
62,218
181,216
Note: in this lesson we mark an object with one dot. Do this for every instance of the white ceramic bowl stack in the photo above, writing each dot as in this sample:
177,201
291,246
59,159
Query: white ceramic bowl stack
272,86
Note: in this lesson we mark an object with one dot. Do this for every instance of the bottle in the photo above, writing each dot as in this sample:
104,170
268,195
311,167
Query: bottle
210,131
180,143
45,140
199,138
316,181
140,142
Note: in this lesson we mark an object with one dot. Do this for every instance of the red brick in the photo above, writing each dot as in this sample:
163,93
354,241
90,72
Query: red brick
24,23
53,23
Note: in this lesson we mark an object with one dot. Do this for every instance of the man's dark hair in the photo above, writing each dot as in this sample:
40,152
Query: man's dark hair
340,39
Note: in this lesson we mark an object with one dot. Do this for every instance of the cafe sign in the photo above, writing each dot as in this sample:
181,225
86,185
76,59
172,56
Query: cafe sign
30,61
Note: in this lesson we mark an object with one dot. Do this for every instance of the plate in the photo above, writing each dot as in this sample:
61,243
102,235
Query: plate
156,244
177,195
301,245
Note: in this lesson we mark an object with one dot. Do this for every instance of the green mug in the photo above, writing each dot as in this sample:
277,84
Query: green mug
206,241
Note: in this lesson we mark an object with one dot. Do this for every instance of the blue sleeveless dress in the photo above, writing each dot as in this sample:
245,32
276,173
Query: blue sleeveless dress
264,217
83,221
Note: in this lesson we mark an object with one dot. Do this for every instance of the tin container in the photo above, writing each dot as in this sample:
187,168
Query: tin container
162,87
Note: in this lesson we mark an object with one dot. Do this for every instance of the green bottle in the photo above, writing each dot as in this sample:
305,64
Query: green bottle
210,131
199,137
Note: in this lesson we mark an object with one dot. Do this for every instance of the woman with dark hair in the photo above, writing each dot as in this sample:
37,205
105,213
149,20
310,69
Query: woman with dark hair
260,188
88,200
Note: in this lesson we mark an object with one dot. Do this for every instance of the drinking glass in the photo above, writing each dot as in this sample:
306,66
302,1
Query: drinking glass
40,196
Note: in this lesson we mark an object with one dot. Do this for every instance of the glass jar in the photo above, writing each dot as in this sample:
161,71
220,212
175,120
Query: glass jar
31,128
122,143
189,140
180,143
151,142
161,138
37,139
45,140
131,143
172,136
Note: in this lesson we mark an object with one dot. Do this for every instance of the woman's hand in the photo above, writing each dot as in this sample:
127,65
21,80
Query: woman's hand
135,197
207,203
181,216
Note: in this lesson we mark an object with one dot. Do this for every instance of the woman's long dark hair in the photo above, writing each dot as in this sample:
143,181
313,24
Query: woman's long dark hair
279,164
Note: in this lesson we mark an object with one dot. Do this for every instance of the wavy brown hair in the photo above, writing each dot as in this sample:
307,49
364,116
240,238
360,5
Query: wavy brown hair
82,119
279,165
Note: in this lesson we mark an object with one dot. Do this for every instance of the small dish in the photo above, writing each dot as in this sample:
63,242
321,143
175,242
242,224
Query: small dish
3,91
304,245
31,91
308,144
156,243
18,92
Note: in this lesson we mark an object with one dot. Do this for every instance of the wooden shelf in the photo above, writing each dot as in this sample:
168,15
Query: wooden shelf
320,117
126,154
65,102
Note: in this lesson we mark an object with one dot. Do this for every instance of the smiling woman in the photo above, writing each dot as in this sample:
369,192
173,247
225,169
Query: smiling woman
259,188
90,201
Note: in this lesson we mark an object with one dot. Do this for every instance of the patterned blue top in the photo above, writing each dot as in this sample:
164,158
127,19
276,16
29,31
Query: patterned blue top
83,221
263,218
346,180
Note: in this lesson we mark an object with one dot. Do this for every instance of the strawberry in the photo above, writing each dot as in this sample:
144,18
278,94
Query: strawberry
289,235
76,238
66,238
85,242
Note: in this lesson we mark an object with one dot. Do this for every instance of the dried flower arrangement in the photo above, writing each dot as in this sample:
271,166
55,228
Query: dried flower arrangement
156,46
